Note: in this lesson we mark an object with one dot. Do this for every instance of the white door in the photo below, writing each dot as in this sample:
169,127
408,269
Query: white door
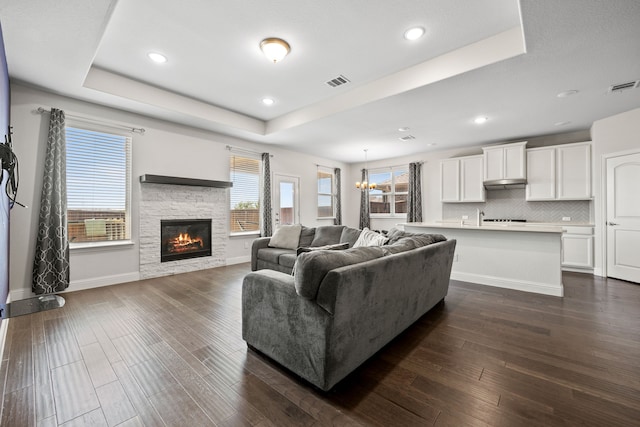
623,217
286,199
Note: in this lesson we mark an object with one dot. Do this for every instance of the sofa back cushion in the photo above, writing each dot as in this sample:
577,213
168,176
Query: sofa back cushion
312,267
327,235
409,241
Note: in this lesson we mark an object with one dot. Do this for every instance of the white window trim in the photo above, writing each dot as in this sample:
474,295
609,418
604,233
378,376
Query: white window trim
258,157
128,241
334,192
393,193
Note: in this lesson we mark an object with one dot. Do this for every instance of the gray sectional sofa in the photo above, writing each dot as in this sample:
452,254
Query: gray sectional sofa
341,306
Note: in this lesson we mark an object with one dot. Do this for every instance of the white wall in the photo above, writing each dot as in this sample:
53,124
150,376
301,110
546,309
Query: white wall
615,134
164,149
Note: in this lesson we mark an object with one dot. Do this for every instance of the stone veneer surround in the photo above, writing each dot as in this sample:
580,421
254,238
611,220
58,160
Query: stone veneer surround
163,201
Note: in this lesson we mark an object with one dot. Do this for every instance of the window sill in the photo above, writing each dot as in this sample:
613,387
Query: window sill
245,234
326,218
100,245
388,216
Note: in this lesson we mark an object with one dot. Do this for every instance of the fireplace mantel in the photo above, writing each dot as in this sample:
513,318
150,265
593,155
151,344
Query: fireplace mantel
175,180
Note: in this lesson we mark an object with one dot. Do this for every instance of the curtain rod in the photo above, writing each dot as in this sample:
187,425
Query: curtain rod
131,129
328,167
244,150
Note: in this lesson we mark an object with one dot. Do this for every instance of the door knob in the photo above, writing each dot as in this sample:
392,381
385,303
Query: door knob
611,223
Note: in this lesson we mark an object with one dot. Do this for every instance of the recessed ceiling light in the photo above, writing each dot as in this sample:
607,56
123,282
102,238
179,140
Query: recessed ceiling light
268,101
566,93
157,57
431,144
480,120
561,123
414,33
403,129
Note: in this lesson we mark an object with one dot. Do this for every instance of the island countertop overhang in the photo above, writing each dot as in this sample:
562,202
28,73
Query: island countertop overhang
511,227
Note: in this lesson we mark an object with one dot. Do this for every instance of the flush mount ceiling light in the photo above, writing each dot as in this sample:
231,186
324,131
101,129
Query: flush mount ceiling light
414,33
403,129
157,57
566,93
480,120
275,49
268,101
561,123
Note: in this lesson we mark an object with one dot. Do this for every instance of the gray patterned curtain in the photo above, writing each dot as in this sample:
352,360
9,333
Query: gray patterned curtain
414,202
267,228
338,219
51,262
365,220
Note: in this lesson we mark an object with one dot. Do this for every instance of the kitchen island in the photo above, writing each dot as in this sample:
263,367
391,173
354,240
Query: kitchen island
514,256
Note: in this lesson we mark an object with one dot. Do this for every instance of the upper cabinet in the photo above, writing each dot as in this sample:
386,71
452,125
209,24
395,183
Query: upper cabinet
505,161
461,180
561,172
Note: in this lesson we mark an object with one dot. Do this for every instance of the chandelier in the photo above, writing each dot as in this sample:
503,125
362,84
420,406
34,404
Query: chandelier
364,185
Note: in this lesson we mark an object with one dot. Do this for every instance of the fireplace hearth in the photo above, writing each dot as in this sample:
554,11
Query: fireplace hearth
184,238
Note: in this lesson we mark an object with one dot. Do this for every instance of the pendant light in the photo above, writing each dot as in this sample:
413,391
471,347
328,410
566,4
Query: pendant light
364,185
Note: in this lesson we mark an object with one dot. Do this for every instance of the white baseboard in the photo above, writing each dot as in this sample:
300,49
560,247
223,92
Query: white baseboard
4,327
80,285
538,288
238,260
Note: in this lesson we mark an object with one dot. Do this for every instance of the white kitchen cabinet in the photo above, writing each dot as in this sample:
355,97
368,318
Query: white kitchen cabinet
461,180
577,248
573,171
561,172
506,161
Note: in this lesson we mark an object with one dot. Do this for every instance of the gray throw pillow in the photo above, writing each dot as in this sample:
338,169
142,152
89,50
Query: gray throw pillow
306,236
350,235
286,237
327,235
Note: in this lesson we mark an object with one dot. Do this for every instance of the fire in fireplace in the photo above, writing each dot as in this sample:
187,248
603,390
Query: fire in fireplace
184,238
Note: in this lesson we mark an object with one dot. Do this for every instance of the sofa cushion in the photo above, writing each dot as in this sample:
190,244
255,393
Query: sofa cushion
306,236
335,247
370,238
288,260
350,235
312,267
286,237
273,254
327,235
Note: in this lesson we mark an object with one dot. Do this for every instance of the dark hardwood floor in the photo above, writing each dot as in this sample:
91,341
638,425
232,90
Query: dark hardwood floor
169,351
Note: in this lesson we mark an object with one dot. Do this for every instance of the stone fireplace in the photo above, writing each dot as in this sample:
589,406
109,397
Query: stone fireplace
182,204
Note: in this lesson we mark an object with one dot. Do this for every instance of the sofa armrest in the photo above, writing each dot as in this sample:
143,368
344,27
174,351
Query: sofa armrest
259,243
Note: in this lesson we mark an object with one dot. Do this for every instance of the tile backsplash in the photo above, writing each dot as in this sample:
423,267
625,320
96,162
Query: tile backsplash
512,204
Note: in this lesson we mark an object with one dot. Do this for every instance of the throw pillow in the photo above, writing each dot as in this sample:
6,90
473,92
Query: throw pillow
336,247
306,236
370,238
350,235
286,237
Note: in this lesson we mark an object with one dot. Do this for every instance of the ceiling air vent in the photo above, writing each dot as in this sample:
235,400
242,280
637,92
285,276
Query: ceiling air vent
623,86
407,138
338,81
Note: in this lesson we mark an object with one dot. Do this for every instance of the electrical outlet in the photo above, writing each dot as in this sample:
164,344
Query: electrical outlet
465,216
566,218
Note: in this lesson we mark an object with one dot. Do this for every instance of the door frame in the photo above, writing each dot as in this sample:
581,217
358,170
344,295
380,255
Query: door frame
604,207
276,192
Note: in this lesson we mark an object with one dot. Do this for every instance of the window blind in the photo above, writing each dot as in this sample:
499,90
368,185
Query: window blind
98,182
245,194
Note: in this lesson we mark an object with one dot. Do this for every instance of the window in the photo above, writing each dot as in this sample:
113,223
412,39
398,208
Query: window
326,192
98,186
245,194
390,195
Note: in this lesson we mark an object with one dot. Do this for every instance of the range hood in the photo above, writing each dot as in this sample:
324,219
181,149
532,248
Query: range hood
505,184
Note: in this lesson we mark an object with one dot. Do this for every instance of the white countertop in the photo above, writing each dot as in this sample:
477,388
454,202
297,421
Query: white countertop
527,227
